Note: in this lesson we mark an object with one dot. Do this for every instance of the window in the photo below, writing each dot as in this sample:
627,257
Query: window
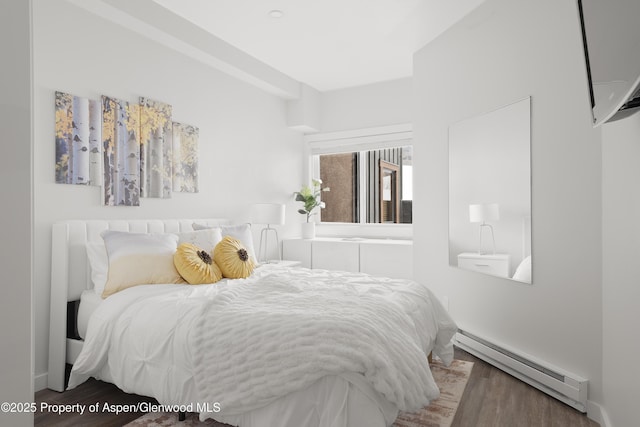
370,177
339,172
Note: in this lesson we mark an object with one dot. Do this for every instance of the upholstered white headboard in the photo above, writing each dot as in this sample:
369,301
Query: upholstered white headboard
70,276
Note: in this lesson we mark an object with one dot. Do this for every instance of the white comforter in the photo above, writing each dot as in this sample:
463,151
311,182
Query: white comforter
245,343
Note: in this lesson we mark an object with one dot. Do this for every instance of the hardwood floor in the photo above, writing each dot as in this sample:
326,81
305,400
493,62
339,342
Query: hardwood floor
491,399
88,393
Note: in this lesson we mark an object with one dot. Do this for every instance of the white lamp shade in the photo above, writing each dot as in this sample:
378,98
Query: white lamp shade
267,213
486,212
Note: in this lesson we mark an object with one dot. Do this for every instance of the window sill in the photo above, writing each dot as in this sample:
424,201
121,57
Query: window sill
367,231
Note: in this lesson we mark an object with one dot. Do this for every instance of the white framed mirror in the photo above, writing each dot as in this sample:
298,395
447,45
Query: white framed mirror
490,192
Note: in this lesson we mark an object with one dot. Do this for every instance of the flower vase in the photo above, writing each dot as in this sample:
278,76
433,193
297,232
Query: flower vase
308,230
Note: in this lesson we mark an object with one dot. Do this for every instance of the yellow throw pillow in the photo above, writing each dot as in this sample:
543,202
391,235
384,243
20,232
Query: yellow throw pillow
233,259
195,265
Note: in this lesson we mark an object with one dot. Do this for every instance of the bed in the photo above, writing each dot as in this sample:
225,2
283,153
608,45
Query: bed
285,346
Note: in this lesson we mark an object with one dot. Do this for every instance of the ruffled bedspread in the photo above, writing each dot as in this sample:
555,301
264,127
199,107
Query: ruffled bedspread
282,329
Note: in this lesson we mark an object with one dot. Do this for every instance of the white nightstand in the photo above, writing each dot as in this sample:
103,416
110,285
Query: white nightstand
494,264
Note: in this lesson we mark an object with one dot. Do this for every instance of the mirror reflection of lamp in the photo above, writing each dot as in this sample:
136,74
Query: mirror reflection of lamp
481,213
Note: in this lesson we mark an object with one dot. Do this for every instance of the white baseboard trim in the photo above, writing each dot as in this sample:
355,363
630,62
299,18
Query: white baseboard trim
597,413
40,381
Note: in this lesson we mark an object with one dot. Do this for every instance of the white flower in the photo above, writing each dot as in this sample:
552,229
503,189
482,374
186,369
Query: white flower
310,197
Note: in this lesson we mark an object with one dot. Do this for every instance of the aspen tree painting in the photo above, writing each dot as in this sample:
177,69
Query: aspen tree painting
121,144
156,156
185,158
78,159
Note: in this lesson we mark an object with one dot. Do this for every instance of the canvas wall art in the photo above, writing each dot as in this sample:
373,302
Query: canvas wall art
185,158
156,149
78,136
132,150
121,147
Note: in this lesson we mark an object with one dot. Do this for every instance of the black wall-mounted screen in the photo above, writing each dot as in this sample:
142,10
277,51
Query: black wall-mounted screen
611,36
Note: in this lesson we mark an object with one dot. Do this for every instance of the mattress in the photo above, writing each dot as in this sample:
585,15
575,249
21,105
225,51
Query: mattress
89,301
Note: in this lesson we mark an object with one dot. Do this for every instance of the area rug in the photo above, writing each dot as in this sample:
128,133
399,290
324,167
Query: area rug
451,380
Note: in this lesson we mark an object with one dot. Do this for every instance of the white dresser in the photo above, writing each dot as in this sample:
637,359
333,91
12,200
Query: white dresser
494,264
381,257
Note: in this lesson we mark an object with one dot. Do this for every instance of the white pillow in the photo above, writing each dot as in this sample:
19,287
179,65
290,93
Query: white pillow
241,232
139,259
206,239
99,263
523,272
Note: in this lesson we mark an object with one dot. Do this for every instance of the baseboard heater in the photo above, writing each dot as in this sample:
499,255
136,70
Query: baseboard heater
557,383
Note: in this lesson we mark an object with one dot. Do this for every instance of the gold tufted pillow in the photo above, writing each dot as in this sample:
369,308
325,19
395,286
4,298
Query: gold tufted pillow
233,259
195,265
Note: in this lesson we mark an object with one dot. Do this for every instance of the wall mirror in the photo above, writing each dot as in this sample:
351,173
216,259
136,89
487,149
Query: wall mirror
490,192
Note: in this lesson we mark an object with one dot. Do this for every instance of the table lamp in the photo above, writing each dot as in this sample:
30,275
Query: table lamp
481,213
269,214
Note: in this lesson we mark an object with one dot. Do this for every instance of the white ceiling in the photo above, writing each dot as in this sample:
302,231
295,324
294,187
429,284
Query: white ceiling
327,44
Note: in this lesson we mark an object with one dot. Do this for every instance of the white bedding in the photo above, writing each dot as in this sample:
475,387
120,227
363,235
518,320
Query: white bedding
218,343
89,302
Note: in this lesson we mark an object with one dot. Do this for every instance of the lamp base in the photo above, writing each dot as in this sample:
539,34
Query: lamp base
480,252
263,247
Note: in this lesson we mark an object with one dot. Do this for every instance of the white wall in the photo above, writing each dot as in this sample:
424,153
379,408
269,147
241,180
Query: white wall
16,357
621,276
246,152
379,104
500,53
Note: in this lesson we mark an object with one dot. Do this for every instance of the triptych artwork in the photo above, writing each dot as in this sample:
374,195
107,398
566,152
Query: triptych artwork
78,130
131,150
156,151
185,155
